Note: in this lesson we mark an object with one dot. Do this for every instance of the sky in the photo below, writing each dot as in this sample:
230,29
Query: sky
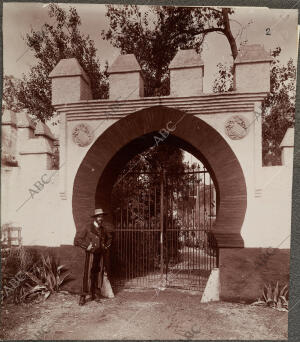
19,18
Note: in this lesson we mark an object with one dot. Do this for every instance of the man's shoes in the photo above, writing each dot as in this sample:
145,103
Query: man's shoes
96,297
82,300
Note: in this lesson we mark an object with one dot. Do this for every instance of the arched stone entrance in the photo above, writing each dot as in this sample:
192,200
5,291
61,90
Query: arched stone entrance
135,133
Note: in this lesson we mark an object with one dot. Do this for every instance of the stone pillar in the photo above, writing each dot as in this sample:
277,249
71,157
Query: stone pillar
8,187
125,78
252,69
70,83
287,147
186,74
43,132
38,152
9,136
26,128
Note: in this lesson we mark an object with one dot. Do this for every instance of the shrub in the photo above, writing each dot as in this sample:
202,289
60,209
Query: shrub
27,274
273,297
47,278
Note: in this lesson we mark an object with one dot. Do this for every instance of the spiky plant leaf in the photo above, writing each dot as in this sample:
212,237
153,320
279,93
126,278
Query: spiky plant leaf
34,278
269,294
284,301
276,292
279,304
281,293
61,280
47,294
264,296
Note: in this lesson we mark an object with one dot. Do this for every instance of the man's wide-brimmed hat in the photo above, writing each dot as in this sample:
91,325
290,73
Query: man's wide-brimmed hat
99,211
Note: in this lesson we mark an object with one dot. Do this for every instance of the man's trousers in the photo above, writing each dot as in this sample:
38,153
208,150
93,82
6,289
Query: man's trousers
94,267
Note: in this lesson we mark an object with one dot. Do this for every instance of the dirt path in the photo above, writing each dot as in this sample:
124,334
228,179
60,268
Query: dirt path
143,314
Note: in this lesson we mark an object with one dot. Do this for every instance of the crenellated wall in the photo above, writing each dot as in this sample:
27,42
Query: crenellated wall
29,193
47,215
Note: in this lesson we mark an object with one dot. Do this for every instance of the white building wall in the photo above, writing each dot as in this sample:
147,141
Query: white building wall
46,216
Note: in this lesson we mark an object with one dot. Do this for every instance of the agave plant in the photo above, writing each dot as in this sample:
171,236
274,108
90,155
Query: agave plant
38,275
274,297
15,283
47,278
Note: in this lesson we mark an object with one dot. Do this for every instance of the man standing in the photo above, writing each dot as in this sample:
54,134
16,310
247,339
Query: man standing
95,239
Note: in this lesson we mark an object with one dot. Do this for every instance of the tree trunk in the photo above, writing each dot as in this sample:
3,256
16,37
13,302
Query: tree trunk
228,33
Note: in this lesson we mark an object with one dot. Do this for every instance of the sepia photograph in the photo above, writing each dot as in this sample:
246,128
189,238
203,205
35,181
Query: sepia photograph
147,171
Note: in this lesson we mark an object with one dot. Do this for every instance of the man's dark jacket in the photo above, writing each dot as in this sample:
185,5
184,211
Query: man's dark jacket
101,238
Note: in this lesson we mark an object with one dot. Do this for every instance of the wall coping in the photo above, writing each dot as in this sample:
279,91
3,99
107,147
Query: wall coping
24,120
43,130
258,96
192,105
124,64
186,59
69,67
9,118
36,146
252,54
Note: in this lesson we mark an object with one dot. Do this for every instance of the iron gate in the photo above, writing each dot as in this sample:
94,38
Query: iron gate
163,229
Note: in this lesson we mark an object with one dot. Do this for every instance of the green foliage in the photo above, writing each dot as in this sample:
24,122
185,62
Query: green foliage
274,297
52,42
26,274
278,109
46,277
155,35
153,161
224,79
14,263
11,85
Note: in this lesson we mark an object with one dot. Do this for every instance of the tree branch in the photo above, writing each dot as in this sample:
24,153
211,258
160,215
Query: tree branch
197,32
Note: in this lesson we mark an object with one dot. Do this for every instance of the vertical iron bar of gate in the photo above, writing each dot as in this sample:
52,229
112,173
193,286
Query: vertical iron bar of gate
199,228
136,247
173,216
143,237
130,226
126,235
148,238
204,223
130,234
202,233
194,230
166,223
155,227
121,231
161,225
210,247
174,209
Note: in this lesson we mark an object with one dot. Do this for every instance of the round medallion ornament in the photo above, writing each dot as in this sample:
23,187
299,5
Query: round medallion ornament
236,127
82,134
